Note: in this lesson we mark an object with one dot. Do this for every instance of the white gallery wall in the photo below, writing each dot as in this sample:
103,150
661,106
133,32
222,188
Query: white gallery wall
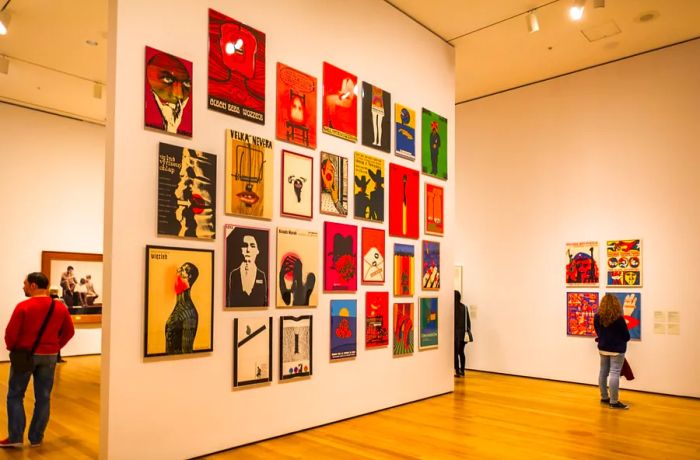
607,153
182,406
53,188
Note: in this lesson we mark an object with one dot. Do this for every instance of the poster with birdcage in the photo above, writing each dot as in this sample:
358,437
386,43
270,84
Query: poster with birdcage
248,175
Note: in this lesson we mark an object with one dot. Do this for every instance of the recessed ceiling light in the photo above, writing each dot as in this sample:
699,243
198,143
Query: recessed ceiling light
648,16
91,42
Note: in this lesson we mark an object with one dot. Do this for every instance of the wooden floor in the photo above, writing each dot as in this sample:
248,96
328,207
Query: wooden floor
489,416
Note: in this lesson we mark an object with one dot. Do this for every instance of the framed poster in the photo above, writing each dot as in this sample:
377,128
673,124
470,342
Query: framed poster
76,278
373,255
403,201
582,264
296,107
297,185
236,68
434,208
369,188
252,351
168,94
376,117
343,328
624,263
405,120
376,319
296,350
179,301
403,329
334,184
297,268
247,266
428,322
431,266
581,307
632,310
339,103
339,257
248,175
404,271
186,192
434,145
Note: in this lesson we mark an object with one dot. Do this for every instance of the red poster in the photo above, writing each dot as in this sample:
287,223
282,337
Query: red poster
403,201
434,218
377,319
339,103
168,95
373,255
296,107
340,257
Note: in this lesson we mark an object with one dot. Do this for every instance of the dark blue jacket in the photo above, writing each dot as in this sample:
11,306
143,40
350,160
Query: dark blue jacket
613,338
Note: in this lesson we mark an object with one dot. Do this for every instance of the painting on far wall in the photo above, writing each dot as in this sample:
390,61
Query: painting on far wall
369,187
168,95
581,307
334,184
430,280
297,268
236,83
434,207
296,346
373,255
376,117
252,351
297,185
428,322
339,103
404,271
76,278
403,329
248,175
434,145
343,328
377,319
404,185
632,310
405,119
247,266
582,264
624,259
296,106
340,257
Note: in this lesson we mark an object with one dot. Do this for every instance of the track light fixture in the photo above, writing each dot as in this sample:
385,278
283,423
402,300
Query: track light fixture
598,3
5,17
533,25
576,10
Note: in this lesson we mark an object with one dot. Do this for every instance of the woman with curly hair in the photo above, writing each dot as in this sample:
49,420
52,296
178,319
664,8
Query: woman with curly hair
613,336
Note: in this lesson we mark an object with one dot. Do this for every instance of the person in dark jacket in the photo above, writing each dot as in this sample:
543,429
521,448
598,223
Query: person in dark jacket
462,327
613,336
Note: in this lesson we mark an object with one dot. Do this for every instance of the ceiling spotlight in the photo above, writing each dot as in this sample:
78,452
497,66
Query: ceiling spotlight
4,22
598,3
576,10
533,25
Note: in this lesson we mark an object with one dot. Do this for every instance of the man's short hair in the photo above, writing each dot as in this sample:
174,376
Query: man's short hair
70,267
38,278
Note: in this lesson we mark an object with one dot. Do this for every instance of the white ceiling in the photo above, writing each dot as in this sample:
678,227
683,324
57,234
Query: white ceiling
53,68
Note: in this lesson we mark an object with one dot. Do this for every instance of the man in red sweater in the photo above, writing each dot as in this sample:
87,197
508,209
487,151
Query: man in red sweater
21,332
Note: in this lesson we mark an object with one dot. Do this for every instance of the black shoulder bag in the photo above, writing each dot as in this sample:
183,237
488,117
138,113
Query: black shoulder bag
22,359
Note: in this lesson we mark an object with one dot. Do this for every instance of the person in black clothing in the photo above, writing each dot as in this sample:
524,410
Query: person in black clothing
462,326
613,335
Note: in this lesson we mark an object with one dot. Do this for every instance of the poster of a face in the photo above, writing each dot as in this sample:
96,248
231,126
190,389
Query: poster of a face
247,266
428,323
296,350
376,117
343,328
340,257
179,301
334,184
434,145
376,319
186,192
582,264
369,187
296,107
405,120
403,201
248,175
431,266
632,310
297,268
624,258
297,185
168,95
252,351
434,218
339,103
373,255
404,271
403,329
581,307
236,68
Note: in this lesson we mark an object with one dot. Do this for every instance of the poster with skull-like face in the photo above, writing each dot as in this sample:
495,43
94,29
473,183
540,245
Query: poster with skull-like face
297,185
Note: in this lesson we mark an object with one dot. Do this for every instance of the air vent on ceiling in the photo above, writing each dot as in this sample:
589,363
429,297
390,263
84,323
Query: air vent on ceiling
601,31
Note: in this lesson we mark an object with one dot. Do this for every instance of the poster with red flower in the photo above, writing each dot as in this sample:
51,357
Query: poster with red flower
339,103
340,257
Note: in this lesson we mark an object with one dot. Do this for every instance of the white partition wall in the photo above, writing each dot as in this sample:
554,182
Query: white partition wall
177,407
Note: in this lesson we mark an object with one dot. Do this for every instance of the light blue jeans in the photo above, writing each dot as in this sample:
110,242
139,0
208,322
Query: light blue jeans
43,372
610,365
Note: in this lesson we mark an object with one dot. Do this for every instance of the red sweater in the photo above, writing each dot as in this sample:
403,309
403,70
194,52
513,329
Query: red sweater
27,319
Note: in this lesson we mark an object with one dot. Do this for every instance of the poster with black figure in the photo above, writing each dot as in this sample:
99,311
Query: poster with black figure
376,117
247,266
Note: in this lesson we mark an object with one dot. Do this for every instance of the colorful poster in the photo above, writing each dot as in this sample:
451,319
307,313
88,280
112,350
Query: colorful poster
582,264
334,184
186,192
168,95
581,308
296,107
434,145
404,271
296,350
248,175
431,266
369,187
376,117
236,68
247,266
179,301
405,119
403,329
340,257
373,255
297,185
297,268
343,329
252,351
632,310
377,319
403,201
339,103
624,263
434,207
428,322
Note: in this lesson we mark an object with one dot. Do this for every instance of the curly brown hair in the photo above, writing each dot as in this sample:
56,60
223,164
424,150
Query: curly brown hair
609,310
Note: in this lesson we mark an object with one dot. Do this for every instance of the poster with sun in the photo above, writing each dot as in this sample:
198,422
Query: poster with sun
296,107
296,347
632,311
582,264
404,270
403,329
428,322
624,260
343,328
339,103
581,307
248,175
340,257
405,122
297,268
376,319
168,104
404,202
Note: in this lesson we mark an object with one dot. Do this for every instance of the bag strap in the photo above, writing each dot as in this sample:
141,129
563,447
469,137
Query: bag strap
43,326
